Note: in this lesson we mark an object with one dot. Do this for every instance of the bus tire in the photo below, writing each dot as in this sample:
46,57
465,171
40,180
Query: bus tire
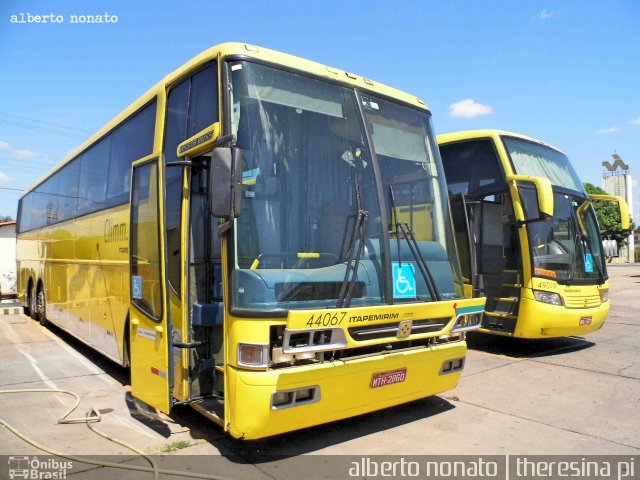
40,306
29,300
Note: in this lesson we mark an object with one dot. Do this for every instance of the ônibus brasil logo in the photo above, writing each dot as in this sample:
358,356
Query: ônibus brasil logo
32,468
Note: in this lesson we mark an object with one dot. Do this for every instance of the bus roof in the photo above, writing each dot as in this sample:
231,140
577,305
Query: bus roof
247,51
488,133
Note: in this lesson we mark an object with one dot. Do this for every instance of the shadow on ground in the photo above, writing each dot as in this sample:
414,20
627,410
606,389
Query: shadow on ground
525,348
316,438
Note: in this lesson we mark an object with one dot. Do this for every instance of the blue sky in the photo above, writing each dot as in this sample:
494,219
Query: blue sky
567,72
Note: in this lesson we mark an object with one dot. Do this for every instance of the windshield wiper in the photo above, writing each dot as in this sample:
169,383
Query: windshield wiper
353,261
402,229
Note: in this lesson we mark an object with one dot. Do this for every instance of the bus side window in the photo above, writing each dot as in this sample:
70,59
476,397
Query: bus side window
192,105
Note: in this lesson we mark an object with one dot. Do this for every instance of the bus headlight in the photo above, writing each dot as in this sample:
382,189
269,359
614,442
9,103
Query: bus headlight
604,295
253,355
547,297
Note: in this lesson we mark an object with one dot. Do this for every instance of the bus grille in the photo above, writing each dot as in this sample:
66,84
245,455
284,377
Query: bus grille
586,301
390,330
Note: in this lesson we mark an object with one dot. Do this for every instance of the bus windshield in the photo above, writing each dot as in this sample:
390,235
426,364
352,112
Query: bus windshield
311,231
530,158
568,248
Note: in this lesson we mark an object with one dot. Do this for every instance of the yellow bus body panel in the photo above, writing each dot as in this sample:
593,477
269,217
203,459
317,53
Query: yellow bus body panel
345,389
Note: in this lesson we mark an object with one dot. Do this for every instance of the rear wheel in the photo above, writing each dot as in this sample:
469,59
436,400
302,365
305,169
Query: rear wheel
40,307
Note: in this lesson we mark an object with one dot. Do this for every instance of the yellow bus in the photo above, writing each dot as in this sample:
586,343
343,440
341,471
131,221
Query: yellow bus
228,236
527,235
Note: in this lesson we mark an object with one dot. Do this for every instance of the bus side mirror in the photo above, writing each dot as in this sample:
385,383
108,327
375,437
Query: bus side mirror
622,205
544,197
225,182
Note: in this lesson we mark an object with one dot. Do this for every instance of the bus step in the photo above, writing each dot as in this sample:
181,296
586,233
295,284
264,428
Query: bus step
211,408
506,299
511,285
500,315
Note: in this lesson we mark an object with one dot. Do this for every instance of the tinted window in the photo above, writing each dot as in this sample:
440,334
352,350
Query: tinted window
94,165
26,205
38,207
472,168
203,107
129,142
192,106
50,192
98,178
146,286
68,189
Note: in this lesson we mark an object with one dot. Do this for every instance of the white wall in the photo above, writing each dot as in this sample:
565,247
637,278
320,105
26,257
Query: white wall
8,258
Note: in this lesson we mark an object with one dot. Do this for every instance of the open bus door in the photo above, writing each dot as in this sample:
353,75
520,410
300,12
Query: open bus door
465,244
149,328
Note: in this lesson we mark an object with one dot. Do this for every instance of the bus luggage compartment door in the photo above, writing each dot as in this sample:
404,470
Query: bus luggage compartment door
149,330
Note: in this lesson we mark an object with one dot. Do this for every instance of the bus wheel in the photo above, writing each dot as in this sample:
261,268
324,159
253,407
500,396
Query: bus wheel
29,300
40,307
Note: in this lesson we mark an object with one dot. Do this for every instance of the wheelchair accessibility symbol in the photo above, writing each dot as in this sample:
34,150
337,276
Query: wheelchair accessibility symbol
404,280
588,263
136,287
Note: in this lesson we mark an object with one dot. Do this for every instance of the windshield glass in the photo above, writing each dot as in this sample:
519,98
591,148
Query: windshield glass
530,158
311,234
411,171
568,248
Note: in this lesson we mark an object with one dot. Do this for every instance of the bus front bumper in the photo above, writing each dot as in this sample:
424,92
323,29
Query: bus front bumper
344,389
541,320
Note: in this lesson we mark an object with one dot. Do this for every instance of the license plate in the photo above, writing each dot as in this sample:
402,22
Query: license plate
585,320
387,378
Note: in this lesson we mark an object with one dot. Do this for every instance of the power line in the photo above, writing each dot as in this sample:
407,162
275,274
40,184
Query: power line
22,161
42,130
45,123
12,189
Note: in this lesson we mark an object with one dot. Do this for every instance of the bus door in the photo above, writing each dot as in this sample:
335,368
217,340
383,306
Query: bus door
204,296
149,328
464,242
487,244
499,260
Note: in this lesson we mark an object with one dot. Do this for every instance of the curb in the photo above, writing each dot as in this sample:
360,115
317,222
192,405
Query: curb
12,310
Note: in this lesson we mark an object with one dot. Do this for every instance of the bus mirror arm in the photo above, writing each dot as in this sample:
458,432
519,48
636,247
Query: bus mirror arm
622,204
544,193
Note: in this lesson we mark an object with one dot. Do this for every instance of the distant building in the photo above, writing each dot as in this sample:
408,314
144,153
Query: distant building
616,180
7,257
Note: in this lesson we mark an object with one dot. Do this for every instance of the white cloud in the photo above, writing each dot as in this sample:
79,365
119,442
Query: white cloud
469,108
635,121
4,179
608,131
545,15
25,153
20,153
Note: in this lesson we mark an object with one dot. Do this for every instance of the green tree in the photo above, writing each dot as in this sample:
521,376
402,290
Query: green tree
6,218
608,215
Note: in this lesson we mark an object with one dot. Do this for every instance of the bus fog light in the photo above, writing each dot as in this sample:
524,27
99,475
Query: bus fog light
253,355
547,297
604,295
304,395
282,398
293,398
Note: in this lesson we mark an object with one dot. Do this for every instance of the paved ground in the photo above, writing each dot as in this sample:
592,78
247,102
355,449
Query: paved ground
561,396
